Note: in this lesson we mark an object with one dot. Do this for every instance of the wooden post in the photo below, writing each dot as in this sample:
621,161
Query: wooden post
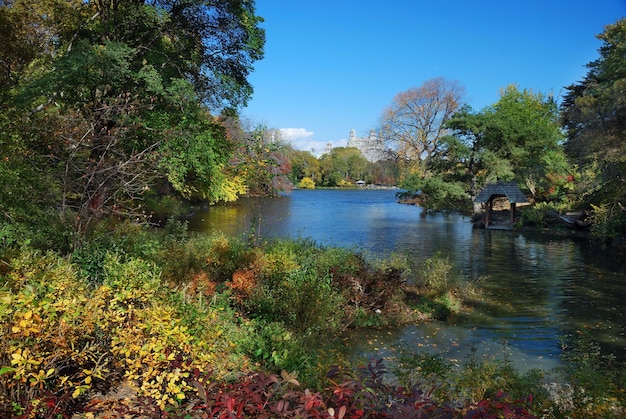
488,213
512,214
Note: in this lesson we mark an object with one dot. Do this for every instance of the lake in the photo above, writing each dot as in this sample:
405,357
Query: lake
539,287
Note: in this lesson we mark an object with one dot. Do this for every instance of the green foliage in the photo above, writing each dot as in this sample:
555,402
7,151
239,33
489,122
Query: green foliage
517,138
111,102
597,379
303,165
437,194
342,164
194,160
436,289
609,221
434,275
287,296
538,213
423,368
278,347
593,114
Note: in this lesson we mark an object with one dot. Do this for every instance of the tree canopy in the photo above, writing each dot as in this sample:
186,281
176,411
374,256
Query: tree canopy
112,98
594,118
594,109
343,165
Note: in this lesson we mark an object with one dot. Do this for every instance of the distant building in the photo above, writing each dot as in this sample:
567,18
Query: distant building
371,147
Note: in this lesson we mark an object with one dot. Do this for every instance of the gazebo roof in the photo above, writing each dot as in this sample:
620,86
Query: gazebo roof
509,190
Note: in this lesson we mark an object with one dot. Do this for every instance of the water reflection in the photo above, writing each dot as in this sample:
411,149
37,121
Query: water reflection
537,287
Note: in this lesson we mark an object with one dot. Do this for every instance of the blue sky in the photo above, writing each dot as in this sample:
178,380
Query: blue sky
334,65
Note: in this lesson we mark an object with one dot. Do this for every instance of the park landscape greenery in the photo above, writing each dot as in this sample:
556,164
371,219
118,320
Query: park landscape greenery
117,115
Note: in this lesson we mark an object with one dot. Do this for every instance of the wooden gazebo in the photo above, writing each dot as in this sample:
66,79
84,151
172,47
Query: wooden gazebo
492,191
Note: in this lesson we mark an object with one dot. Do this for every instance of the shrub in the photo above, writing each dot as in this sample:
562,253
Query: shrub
62,338
428,370
597,379
50,345
609,221
434,276
306,183
226,255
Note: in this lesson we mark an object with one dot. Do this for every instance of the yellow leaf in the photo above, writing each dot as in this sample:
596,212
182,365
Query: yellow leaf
28,314
15,329
88,379
76,393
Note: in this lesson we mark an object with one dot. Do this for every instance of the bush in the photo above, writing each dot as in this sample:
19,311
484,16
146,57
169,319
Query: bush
434,276
597,379
64,337
51,343
609,221
306,183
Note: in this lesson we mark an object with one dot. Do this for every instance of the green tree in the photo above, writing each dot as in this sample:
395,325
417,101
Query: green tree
524,129
518,138
343,164
303,164
126,100
594,118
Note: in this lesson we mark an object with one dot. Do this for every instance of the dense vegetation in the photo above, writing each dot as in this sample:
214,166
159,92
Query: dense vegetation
115,115
173,325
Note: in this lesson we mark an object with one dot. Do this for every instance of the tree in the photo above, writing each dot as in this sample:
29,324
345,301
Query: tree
594,118
594,112
306,183
524,129
260,161
303,164
517,138
414,124
30,33
343,164
128,98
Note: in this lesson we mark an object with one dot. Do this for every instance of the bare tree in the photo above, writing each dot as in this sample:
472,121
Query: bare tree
413,125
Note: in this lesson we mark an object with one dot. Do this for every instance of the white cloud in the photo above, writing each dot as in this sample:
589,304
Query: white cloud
291,134
301,139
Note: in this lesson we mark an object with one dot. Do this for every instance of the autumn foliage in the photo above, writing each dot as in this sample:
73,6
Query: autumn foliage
242,331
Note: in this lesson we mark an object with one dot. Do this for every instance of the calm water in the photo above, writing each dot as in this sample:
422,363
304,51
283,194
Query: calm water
539,288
